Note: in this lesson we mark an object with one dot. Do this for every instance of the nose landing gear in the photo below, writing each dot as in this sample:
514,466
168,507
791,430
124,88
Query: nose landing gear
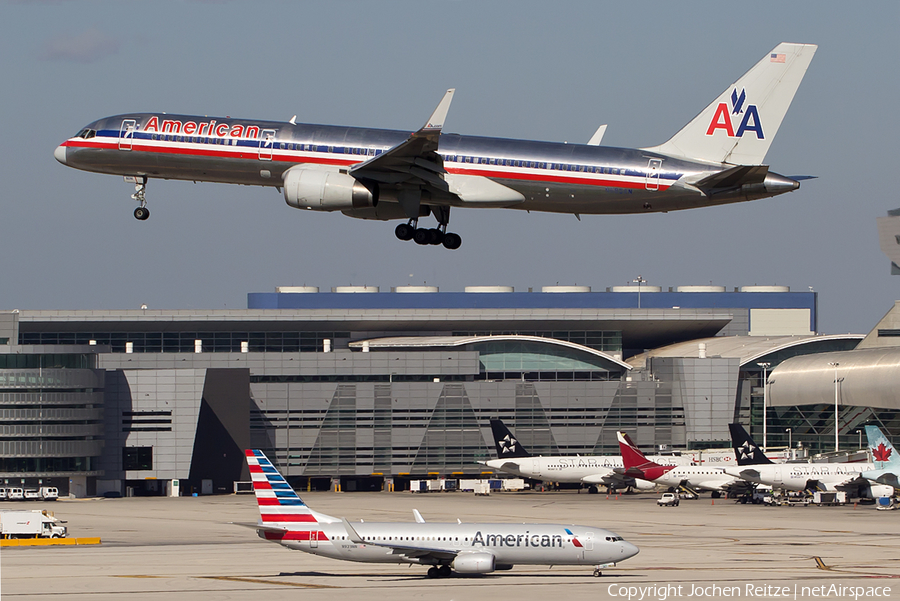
140,186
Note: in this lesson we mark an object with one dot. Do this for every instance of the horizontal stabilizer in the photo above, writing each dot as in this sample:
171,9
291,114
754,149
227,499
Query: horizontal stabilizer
730,179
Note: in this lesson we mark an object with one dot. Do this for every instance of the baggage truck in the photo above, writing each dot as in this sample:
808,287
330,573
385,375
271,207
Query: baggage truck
30,524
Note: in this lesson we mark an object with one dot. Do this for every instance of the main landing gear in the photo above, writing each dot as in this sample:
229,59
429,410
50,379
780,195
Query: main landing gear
423,236
140,186
443,571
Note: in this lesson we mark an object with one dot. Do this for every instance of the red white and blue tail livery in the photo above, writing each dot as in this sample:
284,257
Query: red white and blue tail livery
444,548
365,173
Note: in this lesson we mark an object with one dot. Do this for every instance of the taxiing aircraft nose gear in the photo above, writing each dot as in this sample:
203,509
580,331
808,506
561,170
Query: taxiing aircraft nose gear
140,186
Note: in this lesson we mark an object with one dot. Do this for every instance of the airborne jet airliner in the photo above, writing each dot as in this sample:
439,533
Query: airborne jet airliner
381,174
444,548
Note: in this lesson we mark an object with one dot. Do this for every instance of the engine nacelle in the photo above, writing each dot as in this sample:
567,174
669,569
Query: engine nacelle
474,563
876,491
322,190
641,484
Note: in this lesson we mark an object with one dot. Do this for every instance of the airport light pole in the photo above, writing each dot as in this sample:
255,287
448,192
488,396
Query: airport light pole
835,365
860,438
639,281
790,433
765,367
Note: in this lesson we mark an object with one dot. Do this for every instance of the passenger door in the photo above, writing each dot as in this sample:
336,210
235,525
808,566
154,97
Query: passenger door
266,144
653,169
126,134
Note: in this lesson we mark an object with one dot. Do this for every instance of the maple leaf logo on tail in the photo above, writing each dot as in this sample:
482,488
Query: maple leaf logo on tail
881,452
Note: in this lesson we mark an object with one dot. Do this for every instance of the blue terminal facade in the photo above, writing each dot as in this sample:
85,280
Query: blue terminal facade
363,387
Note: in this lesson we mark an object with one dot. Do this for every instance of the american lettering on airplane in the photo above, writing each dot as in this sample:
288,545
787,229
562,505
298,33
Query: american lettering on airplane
444,548
365,173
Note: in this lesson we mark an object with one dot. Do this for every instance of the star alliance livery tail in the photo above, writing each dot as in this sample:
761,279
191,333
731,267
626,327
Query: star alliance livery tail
745,450
739,125
507,445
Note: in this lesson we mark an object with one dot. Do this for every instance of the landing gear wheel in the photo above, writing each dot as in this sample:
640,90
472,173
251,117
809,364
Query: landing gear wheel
435,237
405,231
444,571
433,572
422,236
141,213
452,241
597,573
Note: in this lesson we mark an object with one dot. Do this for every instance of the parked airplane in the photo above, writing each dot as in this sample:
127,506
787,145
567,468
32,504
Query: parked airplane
886,463
381,174
696,477
746,451
593,470
802,476
444,547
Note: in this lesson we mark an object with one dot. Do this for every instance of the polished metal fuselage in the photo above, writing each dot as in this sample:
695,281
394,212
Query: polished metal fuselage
510,544
552,177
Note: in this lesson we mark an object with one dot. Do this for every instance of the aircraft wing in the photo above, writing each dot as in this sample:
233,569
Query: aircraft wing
413,163
407,550
883,477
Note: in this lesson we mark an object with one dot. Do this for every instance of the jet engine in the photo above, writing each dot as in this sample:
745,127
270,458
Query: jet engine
474,563
321,190
875,491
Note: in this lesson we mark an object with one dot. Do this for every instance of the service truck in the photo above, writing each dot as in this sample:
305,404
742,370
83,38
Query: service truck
30,524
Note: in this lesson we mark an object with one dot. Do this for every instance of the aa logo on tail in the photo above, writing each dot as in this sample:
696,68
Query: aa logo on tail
724,118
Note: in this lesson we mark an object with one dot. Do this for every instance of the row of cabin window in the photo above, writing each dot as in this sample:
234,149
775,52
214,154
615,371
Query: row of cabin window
376,152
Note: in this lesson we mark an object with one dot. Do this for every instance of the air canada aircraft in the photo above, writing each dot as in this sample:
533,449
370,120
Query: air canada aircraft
715,159
593,470
847,477
444,547
886,462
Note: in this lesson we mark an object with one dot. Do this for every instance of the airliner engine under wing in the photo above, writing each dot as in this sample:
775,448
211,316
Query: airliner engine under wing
444,547
593,470
381,174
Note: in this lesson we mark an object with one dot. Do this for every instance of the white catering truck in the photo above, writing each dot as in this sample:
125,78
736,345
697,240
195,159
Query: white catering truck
30,524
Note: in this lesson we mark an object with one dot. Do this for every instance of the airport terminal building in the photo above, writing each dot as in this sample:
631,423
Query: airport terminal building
358,386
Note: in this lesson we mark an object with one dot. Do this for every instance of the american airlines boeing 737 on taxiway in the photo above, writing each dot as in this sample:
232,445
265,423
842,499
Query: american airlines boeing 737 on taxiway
443,547
381,174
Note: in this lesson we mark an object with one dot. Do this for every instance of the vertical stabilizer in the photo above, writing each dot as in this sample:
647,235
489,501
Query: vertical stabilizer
635,463
739,125
745,450
507,445
280,508
883,454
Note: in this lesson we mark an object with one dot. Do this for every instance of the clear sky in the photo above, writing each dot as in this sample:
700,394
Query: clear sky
534,70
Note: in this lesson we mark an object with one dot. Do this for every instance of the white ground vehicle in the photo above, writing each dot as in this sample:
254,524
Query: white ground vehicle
30,524
15,494
32,495
669,499
49,493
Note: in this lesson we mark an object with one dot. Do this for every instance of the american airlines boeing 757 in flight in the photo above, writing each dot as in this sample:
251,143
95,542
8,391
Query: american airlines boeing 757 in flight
381,174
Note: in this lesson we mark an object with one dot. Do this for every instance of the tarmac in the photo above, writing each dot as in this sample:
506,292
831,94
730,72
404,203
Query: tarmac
192,548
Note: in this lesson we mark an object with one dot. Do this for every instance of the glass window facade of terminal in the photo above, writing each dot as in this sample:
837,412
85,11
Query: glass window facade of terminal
606,341
184,342
51,415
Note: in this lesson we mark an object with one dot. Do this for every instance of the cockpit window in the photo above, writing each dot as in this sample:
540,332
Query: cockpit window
86,133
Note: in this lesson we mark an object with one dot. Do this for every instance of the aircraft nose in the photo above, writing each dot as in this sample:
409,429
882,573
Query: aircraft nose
60,154
629,550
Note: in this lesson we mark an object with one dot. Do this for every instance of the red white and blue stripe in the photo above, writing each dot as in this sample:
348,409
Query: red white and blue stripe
279,506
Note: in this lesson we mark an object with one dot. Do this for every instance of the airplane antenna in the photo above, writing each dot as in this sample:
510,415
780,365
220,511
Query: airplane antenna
293,120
